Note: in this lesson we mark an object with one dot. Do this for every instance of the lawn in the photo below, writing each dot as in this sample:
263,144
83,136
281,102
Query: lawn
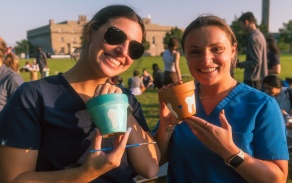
149,98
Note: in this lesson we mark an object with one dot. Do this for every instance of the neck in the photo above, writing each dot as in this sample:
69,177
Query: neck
207,92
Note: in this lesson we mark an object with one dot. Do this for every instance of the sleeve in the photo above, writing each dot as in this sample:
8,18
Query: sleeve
13,83
275,59
270,122
20,119
253,58
137,109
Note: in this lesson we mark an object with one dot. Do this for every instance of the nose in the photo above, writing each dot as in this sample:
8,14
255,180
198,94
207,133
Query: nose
206,57
123,48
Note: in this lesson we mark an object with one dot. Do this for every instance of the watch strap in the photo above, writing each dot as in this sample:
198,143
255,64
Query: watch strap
236,160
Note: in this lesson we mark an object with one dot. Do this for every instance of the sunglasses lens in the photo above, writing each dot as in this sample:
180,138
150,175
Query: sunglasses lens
136,50
114,36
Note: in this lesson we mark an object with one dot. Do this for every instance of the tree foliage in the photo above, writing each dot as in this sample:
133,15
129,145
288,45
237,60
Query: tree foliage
241,36
286,34
174,32
24,46
146,44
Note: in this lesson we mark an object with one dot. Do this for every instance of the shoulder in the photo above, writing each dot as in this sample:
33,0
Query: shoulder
47,85
177,53
252,96
11,77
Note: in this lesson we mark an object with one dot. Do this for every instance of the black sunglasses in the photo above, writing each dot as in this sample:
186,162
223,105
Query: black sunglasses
115,36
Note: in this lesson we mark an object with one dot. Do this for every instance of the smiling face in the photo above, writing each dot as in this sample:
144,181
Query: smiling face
110,60
209,52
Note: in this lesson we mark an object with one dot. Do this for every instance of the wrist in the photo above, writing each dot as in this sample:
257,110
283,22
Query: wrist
235,160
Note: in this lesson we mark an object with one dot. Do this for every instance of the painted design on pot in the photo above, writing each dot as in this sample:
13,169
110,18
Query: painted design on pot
112,115
169,106
190,102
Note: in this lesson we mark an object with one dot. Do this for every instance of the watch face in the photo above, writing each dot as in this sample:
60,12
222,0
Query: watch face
236,161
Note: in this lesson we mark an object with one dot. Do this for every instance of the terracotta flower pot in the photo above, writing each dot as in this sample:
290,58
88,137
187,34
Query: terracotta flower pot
180,99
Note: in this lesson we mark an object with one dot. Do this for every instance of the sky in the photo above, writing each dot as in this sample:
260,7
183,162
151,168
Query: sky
19,16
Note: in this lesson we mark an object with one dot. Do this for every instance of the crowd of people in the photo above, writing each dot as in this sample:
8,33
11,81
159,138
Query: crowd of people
46,132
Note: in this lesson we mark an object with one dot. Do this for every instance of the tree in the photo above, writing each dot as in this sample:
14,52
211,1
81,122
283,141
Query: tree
24,46
241,35
174,32
146,44
264,29
286,34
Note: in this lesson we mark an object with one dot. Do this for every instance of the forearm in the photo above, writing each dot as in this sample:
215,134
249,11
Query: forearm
275,69
178,74
162,137
71,176
255,170
144,158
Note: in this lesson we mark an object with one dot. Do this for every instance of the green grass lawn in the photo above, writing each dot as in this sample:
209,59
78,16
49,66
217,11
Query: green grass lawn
149,99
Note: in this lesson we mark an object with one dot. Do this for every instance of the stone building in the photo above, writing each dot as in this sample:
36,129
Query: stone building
58,38
154,35
64,37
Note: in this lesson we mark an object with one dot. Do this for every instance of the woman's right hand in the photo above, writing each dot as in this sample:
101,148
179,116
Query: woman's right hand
98,163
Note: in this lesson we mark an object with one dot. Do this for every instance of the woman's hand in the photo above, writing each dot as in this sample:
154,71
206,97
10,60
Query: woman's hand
217,139
98,163
106,88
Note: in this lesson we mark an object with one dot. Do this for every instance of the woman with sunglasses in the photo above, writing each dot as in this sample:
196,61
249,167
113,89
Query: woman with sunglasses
237,134
46,133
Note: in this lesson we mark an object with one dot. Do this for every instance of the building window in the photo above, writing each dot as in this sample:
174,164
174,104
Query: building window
62,39
62,50
74,40
153,40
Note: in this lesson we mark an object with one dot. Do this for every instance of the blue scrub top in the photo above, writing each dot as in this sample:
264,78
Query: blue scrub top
257,128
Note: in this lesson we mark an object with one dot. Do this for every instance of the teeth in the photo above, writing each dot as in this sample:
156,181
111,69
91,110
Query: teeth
208,69
113,61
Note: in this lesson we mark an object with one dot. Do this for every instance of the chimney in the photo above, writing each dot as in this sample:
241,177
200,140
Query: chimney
51,21
81,19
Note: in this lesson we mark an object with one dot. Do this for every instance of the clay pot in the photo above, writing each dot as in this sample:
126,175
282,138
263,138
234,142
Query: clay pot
180,99
109,113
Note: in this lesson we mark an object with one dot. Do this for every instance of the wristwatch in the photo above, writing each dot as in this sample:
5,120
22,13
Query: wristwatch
235,160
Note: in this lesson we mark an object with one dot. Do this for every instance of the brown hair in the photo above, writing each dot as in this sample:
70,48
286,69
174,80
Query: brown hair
105,15
247,16
3,46
173,42
12,61
272,45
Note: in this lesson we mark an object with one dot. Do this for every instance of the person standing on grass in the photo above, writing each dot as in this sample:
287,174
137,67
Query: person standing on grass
46,132
255,65
171,59
238,132
41,60
274,66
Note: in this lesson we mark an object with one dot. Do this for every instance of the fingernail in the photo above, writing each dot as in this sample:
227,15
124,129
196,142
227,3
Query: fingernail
222,111
129,130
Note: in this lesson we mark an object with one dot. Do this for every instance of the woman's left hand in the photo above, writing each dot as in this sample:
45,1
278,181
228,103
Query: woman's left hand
106,88
217,139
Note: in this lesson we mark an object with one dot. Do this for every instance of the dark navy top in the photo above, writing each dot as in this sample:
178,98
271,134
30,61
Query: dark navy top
49,116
